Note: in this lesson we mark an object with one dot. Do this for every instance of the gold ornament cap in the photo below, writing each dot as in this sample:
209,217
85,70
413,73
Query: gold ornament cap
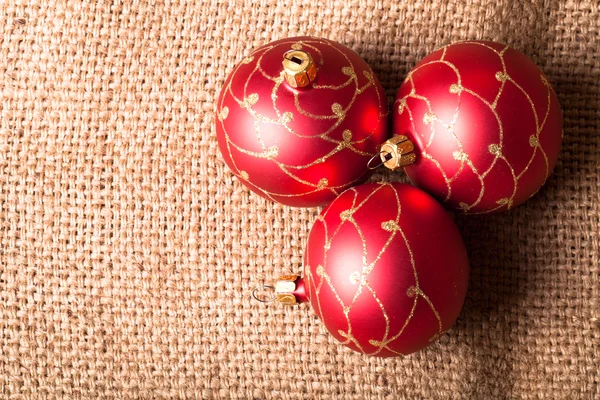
288,290
395,153
285,287
299,68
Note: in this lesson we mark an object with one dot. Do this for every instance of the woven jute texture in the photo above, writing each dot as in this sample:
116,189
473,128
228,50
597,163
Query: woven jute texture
128,250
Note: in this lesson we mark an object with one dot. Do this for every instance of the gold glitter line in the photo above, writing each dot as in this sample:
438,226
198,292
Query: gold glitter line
528,164
487,103
512,171
324,216
336,115
328,242
267,76
324,276
379,105
490,168
274,96
269,194
412,257
458,104
256,187
341,145
362,203
432,128
449,64
394,351
406,322
258,135
435,118
292,194
482,191
487,211
499,53
322,135
296,178
362,236
410,117
495,102
537,122
317,288
467,159
271,152
364,260
347,335
538,131
368,268
351,77
427,156
248,81
319,160
460,169
543,125
237,172
437,164
385,315
546,161
437,315
361,89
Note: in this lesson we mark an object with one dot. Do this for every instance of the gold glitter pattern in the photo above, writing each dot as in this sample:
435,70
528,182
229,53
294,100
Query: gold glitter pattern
494,148
337,116
224,113
360,278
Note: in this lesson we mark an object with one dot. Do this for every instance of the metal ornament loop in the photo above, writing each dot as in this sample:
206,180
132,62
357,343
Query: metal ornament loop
386,156
269,300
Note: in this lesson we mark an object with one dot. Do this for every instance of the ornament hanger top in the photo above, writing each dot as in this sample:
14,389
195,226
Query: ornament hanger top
289,290
395,153
299,67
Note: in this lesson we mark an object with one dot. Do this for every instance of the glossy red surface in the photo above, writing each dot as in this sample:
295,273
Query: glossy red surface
301,147
385,269
486,124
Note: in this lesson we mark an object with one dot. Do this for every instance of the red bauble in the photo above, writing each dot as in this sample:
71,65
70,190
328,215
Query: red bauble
386,269
485,122
301,146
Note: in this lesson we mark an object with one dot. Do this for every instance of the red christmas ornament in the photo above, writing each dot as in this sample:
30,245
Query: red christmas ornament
385,269
298,120
485,123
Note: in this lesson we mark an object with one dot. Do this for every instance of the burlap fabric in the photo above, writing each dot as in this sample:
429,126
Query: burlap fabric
128,250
